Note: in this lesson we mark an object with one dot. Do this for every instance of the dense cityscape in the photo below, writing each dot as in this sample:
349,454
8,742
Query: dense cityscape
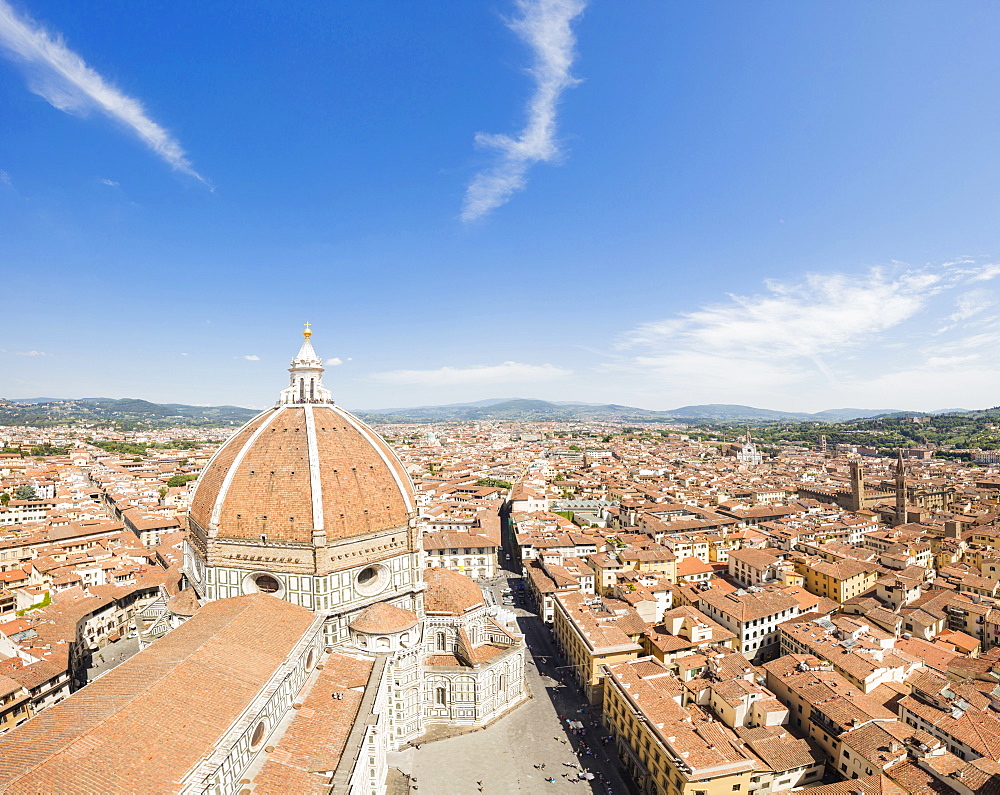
683,612
499,398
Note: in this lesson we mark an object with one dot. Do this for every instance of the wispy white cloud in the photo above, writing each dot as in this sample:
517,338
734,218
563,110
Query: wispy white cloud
830,337
506,373
110,183
252,358
545,26
967,305
985,273
30,353
334,361
5,178
65,81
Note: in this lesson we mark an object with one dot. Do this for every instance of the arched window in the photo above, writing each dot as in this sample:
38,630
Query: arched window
440,696
441,642
502,683
382,643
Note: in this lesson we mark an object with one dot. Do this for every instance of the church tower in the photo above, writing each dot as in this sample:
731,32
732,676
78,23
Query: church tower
900,489
857,486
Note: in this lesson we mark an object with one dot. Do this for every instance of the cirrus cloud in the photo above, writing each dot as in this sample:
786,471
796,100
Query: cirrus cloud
829,337
65,81
506,373
545,26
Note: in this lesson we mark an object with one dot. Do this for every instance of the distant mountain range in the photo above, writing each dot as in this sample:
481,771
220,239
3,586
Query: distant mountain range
542,410
142,413
42,412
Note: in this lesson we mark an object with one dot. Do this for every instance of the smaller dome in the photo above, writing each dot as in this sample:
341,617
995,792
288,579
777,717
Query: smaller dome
383,618
450,593
183,604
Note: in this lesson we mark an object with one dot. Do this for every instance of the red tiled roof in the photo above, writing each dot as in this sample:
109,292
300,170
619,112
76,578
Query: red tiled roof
196,680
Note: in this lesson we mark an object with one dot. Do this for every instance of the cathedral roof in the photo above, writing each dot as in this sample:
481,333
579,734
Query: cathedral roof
450,593
304,465
383,617
144,725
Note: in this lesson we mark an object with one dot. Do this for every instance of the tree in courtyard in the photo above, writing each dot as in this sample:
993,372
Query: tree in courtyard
25,492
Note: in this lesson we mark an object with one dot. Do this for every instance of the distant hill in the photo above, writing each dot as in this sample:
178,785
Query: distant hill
525,410
126,413
136,413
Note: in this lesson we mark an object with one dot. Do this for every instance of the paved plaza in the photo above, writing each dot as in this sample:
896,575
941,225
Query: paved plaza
111,656
503,756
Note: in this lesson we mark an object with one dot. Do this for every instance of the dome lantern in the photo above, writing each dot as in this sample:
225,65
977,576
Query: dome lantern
306,382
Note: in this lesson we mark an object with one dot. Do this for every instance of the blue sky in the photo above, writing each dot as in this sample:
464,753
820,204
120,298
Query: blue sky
782,204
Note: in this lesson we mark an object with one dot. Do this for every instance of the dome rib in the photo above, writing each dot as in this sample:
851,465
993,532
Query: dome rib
235,465
315,481
209,485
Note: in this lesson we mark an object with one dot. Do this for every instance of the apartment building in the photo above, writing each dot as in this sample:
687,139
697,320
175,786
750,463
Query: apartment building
753,615
840,581
594,631
666,748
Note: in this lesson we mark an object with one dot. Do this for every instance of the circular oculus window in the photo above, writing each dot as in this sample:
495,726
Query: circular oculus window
259,732
372,580
197,568
262,582
266,583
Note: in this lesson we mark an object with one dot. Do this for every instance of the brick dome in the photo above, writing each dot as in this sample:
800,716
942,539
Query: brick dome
450,593
303,466
383,618
298,468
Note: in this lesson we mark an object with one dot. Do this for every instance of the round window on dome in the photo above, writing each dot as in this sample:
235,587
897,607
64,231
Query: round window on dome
265,583
259,732
372,580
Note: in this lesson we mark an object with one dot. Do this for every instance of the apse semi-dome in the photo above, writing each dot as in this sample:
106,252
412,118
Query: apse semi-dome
383,618
302,470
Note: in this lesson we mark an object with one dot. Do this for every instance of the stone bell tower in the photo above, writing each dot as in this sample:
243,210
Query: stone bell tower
900,489
857,486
